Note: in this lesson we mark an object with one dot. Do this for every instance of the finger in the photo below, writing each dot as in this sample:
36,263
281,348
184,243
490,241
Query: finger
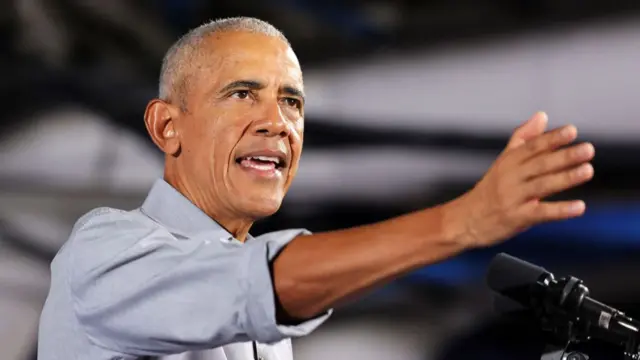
547,163
532,128
539,212
549,141
551,184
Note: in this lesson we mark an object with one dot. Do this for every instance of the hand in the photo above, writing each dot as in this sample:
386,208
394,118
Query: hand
533,166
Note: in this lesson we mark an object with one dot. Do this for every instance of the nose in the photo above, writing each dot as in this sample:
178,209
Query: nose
273,123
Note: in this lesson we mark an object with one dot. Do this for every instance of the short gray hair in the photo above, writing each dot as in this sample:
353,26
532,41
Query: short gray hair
174,74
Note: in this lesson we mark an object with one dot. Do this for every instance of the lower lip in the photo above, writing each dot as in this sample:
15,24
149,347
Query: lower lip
263,171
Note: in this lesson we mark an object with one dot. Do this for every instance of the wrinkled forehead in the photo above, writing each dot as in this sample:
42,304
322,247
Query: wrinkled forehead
232,56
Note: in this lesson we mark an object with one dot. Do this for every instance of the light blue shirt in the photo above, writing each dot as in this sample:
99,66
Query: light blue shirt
164,279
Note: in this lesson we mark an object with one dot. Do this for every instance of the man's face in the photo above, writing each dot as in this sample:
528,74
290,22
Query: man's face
241,135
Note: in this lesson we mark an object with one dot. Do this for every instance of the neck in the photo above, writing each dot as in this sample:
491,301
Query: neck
236,225
238,228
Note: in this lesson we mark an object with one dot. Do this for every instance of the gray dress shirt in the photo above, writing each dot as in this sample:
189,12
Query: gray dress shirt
164,280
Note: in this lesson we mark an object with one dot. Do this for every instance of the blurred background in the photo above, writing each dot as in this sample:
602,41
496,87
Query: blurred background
409,103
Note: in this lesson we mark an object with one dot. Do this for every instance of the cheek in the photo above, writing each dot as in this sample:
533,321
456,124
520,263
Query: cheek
195,144
219,137
224,146
297,130
297,137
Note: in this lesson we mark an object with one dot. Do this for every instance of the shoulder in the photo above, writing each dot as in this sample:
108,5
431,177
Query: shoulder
277,240
108,221
283,235
103,233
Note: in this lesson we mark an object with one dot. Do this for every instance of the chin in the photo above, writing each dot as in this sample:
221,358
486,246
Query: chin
263,208
263,212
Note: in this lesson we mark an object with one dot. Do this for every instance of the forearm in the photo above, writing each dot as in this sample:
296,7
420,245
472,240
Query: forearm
316,272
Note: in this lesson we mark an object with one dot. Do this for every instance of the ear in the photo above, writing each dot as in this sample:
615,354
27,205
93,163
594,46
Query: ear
159,118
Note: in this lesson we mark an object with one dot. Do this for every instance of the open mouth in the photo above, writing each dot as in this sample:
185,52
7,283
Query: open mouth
262,162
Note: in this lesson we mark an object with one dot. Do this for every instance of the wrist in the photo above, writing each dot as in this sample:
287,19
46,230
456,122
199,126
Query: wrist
456,223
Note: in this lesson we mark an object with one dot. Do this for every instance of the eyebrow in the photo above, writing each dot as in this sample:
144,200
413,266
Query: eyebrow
243,84
293,91
257,85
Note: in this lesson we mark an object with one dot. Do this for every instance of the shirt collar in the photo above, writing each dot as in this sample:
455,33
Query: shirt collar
169,207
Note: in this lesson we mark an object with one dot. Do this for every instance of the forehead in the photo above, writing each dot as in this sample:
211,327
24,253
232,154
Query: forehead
231,56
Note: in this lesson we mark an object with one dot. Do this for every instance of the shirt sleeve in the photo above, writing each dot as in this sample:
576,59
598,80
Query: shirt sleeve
139,290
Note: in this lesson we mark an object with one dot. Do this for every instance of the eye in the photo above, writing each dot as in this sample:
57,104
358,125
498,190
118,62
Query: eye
293,102
240,94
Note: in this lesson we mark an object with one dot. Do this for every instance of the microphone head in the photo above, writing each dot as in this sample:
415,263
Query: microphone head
506,272
514,279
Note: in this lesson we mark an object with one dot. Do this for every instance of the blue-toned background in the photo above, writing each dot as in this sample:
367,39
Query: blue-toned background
408,104
607,232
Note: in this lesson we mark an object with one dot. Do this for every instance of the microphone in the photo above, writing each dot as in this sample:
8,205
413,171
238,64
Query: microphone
561,304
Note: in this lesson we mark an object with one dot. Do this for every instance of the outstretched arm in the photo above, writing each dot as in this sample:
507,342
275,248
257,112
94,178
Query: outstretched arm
316,272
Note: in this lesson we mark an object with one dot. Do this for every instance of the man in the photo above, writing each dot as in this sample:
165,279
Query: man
181,274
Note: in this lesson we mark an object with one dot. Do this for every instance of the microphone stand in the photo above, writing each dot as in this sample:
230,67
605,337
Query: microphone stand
562,333
552,352
555,350
562,353
560,338
631,351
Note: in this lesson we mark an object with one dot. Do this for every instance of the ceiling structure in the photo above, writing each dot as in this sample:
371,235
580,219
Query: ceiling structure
324,31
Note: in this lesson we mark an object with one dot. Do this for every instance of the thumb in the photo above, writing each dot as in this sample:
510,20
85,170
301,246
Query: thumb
532,128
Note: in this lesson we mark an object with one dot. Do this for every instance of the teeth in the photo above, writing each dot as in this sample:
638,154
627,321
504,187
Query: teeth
266,167
274,160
